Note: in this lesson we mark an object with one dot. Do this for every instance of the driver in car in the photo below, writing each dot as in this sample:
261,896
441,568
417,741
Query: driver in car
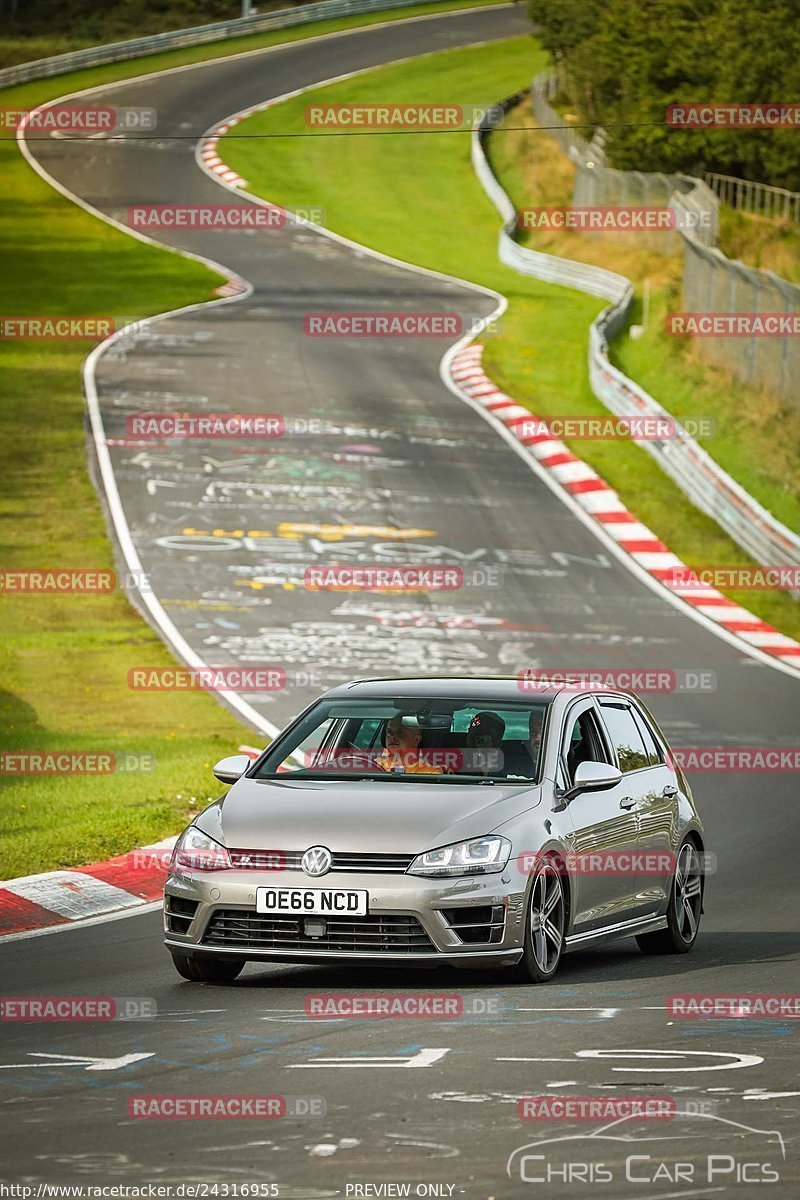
402,750
521,759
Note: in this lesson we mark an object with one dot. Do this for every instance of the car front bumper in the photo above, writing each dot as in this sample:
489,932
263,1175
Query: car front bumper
225,922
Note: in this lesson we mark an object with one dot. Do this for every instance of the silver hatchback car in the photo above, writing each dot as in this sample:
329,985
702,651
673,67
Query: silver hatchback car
454,821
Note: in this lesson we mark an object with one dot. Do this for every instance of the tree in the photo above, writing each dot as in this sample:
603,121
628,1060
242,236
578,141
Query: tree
624,62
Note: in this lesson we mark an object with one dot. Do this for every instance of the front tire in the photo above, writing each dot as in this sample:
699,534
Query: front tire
545,926
207,970
684,909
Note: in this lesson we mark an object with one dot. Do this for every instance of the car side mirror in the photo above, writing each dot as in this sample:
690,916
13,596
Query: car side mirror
592,777
229,769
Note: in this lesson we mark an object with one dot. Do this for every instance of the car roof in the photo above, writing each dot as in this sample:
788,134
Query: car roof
456,687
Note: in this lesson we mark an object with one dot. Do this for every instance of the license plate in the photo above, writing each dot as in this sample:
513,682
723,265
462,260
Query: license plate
314,902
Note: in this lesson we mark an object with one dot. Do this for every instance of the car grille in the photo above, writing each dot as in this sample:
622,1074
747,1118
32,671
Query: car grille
289,860
245,928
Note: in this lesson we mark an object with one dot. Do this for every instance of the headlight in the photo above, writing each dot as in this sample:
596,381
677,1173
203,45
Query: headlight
196,851
478,856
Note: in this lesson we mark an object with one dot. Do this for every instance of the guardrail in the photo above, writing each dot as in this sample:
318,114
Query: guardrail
762,199
284,18
710,488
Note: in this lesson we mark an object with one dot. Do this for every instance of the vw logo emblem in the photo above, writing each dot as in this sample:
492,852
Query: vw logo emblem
316,860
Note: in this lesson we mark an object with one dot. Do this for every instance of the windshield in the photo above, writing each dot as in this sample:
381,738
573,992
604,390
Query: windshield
440,739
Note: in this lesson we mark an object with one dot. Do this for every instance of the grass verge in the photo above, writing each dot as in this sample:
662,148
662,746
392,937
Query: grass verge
418,200
770,244
64,659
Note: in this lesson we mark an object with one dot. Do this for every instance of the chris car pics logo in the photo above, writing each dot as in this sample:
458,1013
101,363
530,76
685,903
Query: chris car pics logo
631,1151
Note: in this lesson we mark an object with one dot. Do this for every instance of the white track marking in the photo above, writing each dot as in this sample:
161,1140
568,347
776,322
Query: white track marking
657,1059
423,1058
73,1060
661,1056
602,1013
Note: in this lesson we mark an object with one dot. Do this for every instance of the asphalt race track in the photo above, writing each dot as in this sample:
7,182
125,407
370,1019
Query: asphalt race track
399,454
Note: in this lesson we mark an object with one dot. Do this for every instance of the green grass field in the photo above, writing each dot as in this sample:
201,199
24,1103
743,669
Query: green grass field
418,200
772,245
64,659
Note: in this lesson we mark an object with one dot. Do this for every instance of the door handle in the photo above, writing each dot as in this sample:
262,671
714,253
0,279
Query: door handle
669,791
627,802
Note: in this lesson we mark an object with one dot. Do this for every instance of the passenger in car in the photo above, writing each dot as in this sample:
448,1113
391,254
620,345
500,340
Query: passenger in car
482,753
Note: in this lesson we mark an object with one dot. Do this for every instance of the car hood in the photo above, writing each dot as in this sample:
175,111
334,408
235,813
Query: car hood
367,817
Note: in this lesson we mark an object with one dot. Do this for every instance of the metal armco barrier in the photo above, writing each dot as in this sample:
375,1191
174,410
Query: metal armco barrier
95,56
710,488
777,203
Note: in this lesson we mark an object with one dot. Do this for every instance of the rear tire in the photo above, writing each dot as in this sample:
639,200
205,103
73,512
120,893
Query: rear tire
207,970
545,926
684,908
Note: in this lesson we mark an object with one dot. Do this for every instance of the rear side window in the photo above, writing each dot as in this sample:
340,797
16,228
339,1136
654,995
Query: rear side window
652,751
625,736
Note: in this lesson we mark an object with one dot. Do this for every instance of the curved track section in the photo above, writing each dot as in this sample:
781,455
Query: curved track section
405,472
